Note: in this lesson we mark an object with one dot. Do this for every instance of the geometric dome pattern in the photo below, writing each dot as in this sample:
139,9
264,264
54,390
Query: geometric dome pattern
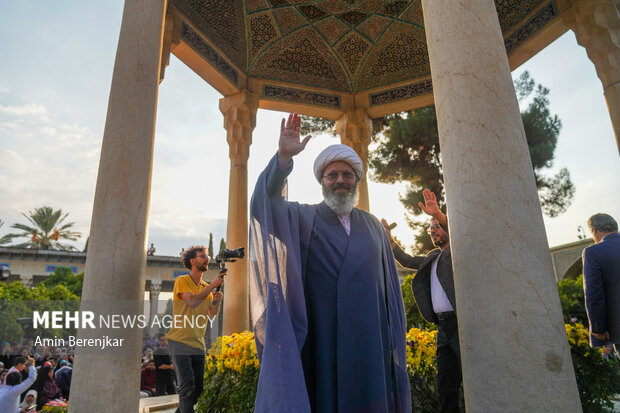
338,45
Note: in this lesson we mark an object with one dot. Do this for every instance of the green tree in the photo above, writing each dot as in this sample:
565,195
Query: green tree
414,318
210,247
64,277
18,302
572,299
222,244
407,150
46,228
6,238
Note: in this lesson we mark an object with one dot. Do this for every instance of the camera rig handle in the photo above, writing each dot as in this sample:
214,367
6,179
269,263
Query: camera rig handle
225,256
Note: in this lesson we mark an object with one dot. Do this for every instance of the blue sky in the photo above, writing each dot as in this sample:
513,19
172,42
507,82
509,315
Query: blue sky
55,76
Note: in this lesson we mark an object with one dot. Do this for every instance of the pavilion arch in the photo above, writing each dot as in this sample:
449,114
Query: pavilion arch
352,61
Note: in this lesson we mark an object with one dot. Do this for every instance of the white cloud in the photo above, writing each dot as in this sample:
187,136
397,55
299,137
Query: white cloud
29,110
46,162
3,89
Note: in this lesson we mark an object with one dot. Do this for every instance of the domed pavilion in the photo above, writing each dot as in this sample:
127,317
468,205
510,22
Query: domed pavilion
353,61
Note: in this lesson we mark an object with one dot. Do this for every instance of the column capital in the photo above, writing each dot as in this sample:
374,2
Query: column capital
355,130
27,280
239,112
354,127
156,287
172,37
596,24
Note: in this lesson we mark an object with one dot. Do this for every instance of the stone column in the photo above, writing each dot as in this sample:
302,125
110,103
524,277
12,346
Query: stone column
115,264
239,112
355,130
154,300
596,24
514,349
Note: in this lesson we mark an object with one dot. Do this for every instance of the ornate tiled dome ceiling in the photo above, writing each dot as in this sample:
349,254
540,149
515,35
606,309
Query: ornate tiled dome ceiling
338,45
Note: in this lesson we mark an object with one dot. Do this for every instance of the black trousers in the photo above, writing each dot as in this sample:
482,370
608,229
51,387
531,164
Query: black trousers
189,366
449,376
165,384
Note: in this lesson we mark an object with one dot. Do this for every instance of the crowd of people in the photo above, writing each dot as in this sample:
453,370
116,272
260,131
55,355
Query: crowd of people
31,376
157,376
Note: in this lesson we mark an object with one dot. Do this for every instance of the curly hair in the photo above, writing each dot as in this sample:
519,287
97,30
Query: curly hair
190,253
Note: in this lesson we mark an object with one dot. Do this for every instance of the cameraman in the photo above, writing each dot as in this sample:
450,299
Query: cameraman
193,299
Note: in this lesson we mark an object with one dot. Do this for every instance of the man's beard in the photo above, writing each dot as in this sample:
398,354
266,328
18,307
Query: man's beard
341,204
440,242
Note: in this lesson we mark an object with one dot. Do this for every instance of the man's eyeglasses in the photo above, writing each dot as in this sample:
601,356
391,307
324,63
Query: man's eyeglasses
203,256
432,227
333,176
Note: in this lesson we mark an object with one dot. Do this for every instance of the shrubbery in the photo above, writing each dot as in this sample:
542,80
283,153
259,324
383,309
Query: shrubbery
232,368
598,377
231,375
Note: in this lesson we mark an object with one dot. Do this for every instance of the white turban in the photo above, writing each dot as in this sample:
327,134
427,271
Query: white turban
335,153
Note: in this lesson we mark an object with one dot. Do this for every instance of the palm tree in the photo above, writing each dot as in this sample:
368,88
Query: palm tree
47,228
6,238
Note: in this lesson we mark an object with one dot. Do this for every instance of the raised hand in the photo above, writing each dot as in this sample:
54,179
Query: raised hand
430,206
290,143
387,229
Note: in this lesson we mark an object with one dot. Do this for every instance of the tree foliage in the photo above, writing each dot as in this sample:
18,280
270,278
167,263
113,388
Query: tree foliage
210,248
45,230
17,302
572,299
414,318
64,277
6,238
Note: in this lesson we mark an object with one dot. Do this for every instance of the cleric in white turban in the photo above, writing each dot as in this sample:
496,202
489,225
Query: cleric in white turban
325,298
334,153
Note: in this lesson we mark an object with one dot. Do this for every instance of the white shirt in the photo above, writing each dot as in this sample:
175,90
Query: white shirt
441,304
9,395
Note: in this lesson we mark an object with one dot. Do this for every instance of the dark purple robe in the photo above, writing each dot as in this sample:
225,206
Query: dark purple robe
326,307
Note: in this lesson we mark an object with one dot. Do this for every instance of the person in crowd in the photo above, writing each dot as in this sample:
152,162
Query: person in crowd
147,379
18,366
3,374
151,250
5,353
46,387
601,281
29,404
164,369
433,289
195,300
326,305
10,392
63,378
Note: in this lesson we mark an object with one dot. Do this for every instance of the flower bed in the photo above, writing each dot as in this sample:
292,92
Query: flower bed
598,377
55,406
231,375
232,368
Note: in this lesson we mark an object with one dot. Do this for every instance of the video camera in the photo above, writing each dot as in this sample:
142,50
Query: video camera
225,256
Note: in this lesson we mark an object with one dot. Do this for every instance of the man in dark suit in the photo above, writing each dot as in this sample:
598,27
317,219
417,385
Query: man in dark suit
433,289
601,281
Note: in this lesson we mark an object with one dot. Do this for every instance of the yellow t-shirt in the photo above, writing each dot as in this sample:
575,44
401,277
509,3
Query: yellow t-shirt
189,324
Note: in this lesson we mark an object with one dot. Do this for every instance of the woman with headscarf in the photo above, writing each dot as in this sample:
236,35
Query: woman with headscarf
5,354
29,403
46,387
